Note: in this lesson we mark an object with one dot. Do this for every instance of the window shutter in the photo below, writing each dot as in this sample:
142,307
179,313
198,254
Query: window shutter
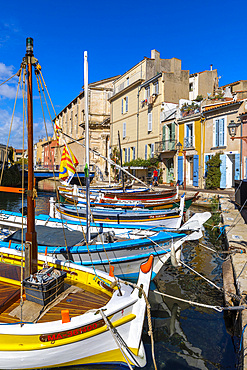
126,104
122,105
124,130
180,170
221,131
150,119
152,150
146,151
206,159
237,167
134,152
223,171
195,170
125,155
216,133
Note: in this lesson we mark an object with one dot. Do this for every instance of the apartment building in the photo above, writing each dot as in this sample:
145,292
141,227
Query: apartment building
137,101
203,84
72,121
220,116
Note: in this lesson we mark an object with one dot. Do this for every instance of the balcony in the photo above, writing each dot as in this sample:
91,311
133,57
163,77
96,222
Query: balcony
165,146
137,76
189,142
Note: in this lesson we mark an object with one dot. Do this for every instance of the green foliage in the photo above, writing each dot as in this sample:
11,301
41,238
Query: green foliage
213,172
139,162
189,107
199,98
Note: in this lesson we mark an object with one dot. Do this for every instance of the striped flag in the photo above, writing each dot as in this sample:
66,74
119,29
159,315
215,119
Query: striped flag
57,130
68,165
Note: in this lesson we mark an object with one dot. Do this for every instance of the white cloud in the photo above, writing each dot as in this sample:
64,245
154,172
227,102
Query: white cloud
7,90
5,71
17,129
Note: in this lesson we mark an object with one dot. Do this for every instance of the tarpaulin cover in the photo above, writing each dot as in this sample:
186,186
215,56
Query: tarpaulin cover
48,236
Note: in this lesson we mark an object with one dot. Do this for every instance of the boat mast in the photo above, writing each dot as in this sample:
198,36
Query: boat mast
31,253
121,158
87,145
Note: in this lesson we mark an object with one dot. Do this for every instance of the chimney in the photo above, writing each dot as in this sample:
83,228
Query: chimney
155,54
211,67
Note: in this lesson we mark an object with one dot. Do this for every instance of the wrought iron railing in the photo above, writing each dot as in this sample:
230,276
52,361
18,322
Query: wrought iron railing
165,146
189,142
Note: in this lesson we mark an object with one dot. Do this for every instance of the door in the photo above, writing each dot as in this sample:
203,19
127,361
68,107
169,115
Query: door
169,170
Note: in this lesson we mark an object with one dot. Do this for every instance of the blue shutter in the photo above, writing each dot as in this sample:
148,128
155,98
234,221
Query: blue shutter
126,104
122,105
195,170
146,151
223,171
134,152
237,167
216,133
221,132
180,170
206,170
128,154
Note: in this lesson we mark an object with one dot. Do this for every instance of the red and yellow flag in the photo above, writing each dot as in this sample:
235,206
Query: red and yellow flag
68,165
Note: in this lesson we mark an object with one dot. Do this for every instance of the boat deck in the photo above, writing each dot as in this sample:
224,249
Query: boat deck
77,300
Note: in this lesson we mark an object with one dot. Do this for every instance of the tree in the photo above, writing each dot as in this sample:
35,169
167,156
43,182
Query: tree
213,172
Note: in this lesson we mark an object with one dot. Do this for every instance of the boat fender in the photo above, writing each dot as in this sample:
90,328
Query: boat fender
145,267
111,272
65,316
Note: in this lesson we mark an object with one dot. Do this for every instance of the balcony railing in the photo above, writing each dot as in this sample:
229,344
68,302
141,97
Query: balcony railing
189,142
165,146
137,76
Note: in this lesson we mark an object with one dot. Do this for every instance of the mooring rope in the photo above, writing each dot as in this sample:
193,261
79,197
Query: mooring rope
216,308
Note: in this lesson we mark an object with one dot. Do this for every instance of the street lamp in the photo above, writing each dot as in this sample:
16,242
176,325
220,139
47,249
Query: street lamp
179,146
179,149
232,128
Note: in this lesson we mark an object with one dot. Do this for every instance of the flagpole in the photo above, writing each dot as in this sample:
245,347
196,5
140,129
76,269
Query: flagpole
87,174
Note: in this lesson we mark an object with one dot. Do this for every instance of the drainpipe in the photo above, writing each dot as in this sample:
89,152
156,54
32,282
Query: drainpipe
241,152
137,122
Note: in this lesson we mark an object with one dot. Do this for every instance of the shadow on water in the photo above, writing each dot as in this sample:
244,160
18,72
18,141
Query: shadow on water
185,336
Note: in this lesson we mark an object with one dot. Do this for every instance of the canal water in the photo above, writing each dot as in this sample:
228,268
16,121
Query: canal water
185,336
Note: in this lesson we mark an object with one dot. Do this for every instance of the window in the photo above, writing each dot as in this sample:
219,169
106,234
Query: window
133,152
127,81
71,122
219,132
152,151
124,130
156,88
125,105
146,151
125,155
150,121
147,92
128,154
189,136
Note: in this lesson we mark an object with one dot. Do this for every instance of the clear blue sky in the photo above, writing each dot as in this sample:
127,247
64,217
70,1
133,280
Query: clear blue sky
117,35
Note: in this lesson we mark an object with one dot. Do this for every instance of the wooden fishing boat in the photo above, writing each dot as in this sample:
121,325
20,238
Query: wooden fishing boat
147,195
126,249
130,204
170,218
70,315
